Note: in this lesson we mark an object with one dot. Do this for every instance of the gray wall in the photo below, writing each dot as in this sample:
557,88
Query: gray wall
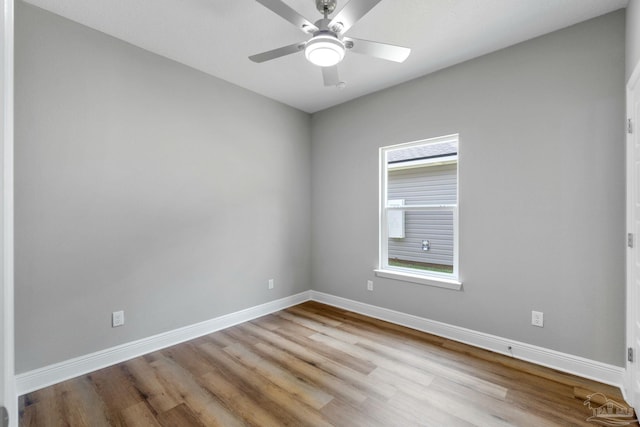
542,183
633,36
146,186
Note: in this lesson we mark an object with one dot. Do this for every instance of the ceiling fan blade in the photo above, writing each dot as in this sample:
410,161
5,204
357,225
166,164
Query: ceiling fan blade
351,13
277,53
330,76
283,10
379,50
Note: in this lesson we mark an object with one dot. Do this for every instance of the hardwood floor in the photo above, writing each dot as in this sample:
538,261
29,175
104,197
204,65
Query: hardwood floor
315,365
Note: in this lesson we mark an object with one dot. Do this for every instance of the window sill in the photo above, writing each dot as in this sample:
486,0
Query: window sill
439,282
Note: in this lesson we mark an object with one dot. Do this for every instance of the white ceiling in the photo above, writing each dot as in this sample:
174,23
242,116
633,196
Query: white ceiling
217,36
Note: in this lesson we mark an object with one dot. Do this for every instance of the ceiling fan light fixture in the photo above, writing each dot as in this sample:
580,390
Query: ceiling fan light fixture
324,50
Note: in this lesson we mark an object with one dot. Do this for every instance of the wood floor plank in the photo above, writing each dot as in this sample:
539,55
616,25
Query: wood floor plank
238,401
333,385
399,383
305,391
222,339
147,381
269,322
234,391
426,365
362,321
140,415
180,415
536,370
320,327
304,414
342,413
425,412
345,359
414,342
410,373
360,381
81,406
483,403
40,408
115,388
190,358
207,408
466,410
317,365
257,340
243,393
567,411
397,357
319,317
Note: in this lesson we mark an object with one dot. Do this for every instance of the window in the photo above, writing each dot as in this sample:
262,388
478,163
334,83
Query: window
419,212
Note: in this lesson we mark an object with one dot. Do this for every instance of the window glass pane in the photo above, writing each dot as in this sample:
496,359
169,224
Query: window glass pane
423,174
428,242
424,185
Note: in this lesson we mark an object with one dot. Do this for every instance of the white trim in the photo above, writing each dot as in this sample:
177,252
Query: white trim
635,75
52,374
433,161
48,375
631,274
447,208
451,281
576,365
7,143
430,280
435,140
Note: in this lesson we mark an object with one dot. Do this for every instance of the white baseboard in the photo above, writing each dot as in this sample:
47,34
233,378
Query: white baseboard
52,374
48,375
598,371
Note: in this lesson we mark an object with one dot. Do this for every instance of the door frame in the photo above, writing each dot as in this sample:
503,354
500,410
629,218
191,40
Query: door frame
8,394
632,189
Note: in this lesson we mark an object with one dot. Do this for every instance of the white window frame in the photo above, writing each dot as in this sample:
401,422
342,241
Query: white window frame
431,278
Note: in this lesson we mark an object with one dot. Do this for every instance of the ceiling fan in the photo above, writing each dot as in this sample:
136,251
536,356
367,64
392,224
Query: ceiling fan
327,46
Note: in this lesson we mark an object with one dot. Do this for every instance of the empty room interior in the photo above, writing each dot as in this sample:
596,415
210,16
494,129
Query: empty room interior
433,229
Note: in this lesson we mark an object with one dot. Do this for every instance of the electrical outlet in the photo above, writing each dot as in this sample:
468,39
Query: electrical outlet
117,318
537,318
271,284
370,285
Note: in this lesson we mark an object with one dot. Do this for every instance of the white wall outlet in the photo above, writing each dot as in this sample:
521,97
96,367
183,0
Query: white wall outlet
370,285
117,318
537,318
271,284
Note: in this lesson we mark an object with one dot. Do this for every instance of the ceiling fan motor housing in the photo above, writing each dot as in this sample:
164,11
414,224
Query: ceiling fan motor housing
328,5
